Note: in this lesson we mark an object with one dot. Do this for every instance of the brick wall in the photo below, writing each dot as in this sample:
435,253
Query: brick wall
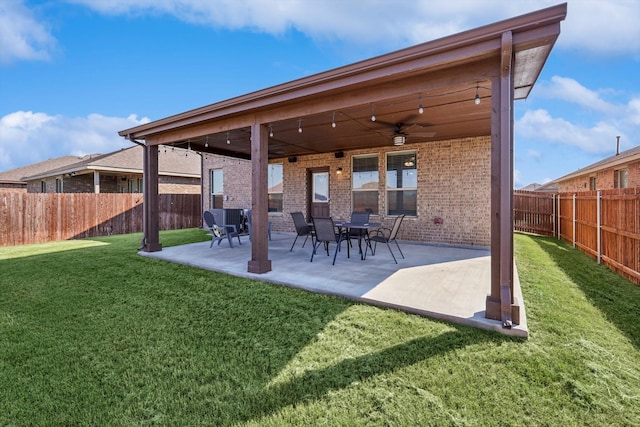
454,183
605,179
112,184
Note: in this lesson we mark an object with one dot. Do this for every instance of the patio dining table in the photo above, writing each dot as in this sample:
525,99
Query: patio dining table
361,227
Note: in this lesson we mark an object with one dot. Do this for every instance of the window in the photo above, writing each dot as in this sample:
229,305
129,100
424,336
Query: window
216,189
43,187
621,179
133,186
365,178
592,183
58,185
275,187
402,184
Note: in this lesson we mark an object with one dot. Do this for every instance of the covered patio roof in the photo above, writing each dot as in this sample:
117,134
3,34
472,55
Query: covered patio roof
443,76
371,102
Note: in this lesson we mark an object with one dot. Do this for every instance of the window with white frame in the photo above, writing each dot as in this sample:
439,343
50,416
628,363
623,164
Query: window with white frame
402,183
217,190
364,184
275,182
622,178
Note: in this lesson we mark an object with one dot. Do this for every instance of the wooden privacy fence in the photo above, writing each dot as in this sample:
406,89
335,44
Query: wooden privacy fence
36,218
534,212
604,224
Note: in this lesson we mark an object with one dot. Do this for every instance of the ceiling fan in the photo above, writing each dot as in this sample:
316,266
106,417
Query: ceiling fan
402,131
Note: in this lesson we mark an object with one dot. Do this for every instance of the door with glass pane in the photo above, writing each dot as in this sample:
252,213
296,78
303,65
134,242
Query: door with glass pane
319,193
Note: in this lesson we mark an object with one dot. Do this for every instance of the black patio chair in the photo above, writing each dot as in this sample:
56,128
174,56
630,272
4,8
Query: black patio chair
325,232
358,233
385,235
302,228
220,232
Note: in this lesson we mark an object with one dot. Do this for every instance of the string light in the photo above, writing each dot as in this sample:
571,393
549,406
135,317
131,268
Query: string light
228,141
333,120
420,108
477,100
373,114
299,125
206,142
271,131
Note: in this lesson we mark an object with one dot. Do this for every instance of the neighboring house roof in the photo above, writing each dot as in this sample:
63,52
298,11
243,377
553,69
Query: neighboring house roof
623,157
15,176
171,162
531,187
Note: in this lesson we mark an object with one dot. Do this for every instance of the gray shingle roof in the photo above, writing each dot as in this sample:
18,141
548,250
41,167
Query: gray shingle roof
16,175
176,162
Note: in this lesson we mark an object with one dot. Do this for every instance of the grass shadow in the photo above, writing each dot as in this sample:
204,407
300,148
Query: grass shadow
617,298
316,384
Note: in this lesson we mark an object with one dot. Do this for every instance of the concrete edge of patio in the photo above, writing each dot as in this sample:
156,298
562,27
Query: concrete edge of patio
455,290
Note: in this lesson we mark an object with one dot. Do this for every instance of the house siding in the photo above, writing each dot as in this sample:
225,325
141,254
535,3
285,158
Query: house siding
605,178
454,184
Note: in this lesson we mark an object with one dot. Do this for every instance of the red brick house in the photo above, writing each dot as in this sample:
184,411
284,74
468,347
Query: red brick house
426,131
119,172
622,170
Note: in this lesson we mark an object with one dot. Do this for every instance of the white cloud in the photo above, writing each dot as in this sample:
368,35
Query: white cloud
604,27
633,109
540,125
27,137
601,27
570,90
534,154
22,37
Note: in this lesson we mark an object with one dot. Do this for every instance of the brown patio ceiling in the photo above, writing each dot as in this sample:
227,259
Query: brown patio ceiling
450,113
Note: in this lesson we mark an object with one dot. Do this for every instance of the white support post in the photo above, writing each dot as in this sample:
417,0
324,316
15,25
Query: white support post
574,220
96,182
599,230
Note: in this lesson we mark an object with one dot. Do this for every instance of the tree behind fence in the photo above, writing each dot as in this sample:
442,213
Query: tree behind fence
36,218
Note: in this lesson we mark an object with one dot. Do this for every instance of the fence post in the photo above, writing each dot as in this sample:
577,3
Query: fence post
559,216
599,229
553,216
574,220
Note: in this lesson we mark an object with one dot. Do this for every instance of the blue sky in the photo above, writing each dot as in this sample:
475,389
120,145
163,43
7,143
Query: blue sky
74,72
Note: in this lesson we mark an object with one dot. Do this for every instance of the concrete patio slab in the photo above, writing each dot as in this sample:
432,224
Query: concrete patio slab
442,282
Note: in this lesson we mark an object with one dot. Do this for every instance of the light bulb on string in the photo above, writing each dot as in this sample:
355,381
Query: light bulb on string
477,100
270,131
333,120
373,114
299,125
228,140
420,108
206,142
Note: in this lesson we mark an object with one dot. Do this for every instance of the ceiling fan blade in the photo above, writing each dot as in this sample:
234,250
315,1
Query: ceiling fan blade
422,134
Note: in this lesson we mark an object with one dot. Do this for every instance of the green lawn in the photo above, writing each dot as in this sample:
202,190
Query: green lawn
93,334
